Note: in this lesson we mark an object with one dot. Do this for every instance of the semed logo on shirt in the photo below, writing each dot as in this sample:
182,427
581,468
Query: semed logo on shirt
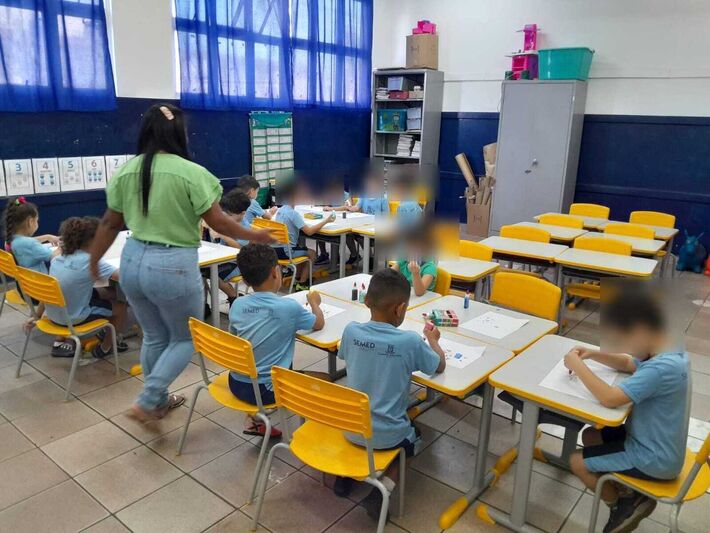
364,344
390,351
251,310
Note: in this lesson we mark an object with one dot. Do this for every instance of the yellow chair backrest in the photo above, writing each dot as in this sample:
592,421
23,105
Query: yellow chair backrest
41,287
558,219
589,210
278,230
225,349
630,230
443,282
323,402
475,250
704,453
7,264
610,246
653,218
394,205
527,233
526,294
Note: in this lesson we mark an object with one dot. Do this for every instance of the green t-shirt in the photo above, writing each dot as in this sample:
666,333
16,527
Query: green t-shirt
425,267
180,193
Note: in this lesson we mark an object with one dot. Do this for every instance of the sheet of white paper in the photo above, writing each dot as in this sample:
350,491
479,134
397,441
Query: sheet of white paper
329,311
460,355
560,380
494,325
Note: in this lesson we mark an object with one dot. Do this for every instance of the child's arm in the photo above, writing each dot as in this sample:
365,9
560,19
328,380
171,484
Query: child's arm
419,282
48,237
269,213
314,300
315,228
433,335
608,396
349,208
618,361
229,241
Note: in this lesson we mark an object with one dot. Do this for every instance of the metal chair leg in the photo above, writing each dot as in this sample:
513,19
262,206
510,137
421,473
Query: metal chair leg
24,351
114,347
293,277
74,365
189,417
675,512
595,504
262,455
263,482
402,476
385,503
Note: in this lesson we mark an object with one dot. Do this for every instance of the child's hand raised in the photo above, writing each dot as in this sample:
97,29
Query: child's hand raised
313,299
431,332
414,267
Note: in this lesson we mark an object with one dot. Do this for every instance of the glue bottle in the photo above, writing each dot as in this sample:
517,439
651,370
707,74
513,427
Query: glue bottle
353,295
466,300
362,294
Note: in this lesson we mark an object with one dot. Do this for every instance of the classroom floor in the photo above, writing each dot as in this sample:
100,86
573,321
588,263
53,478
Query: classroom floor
84,466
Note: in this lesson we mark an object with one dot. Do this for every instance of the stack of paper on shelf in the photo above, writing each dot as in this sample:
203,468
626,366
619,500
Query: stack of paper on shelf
404,145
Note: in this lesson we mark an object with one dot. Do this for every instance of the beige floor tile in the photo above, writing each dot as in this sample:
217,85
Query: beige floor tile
7,358
12,442
30,398
694,515
578,521
8,381
205,441
444,415
209,364
108,525
584,332
470,523
229,419
700,362
231,475
322,365
115,398
697,344
191,375
66,507
89,447
128,360
235,522
504,434
128,478
205,403
306,355
147,432
38,346
701,383
26,475
300,504
88,378
56,421
357,521
700,406
182,506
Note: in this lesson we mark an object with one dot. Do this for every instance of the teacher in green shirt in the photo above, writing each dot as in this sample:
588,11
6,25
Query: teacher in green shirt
161,196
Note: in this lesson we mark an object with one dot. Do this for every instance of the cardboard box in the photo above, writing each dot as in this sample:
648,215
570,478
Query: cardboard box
423,51
477,219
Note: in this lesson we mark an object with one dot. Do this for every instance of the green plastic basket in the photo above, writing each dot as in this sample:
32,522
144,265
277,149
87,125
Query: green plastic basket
565,63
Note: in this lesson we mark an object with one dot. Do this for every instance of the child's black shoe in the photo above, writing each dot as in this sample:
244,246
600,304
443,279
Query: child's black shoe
628,511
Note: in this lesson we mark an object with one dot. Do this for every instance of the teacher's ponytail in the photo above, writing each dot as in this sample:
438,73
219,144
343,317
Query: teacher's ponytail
163,131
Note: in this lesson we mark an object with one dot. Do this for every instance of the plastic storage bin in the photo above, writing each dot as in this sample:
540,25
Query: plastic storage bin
392,119
564,63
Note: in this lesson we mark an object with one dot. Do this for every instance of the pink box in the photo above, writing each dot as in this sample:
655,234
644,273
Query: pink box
424,26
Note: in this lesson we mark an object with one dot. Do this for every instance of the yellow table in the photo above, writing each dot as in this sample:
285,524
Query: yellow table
519,249
638,246
561,234
603,262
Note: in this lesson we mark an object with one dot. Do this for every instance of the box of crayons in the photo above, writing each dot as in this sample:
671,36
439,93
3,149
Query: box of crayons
443,318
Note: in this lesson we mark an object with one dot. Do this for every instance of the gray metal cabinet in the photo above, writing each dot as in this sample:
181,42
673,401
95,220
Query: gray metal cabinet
539,135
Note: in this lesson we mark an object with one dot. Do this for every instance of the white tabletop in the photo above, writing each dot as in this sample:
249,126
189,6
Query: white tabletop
521,376
467,269
638,245
329,337
460,382
515,342
589,222
523,248
662,233
626,265
340,224
342,290
557,233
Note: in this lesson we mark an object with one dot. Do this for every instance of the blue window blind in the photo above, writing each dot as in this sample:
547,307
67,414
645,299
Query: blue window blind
274,53
54,55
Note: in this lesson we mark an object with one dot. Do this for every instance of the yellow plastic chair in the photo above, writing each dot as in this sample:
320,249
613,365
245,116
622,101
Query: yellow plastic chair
330,410
443,282
558,219
590,210
630,230
393,205
526,233
692,483
652,218
7,270
279,231
46,289
526,294
475,250
236,355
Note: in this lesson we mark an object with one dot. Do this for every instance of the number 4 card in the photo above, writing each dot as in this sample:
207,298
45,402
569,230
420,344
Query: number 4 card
46,175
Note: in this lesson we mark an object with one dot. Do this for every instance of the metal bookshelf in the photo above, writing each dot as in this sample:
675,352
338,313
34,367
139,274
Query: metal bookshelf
383,144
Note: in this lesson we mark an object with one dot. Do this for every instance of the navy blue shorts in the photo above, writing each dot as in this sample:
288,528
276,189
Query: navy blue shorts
611,455
245,392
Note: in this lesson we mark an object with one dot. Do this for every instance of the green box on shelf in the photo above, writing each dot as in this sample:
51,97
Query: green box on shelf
392,119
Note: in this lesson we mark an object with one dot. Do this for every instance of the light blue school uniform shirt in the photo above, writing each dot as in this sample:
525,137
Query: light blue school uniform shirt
269,322
294,222
254,210
72,272
409,212
373,206
381,360
30,253
657,427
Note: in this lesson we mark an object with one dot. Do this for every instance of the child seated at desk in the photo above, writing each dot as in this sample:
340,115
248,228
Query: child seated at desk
269,322
381,360
250,186
85,303
651,444
421,271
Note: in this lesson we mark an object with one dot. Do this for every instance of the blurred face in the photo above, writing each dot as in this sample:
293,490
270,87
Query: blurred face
253,193
637,341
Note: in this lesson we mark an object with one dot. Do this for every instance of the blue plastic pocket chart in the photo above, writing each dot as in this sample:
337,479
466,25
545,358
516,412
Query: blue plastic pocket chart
113,163
271,144
71,177
46,174
18,177
94,172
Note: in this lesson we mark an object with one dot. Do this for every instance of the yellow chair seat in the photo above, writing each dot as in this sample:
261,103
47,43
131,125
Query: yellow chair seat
50,328
326,449
584,290
219,390
294,261
14,298
668,489
236,279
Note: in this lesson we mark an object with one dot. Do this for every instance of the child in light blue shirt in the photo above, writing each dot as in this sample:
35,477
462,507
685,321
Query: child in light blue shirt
651,444
269,322
380,360
250,186
21,221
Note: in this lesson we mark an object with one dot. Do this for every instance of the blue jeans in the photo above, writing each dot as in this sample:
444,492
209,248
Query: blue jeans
164,288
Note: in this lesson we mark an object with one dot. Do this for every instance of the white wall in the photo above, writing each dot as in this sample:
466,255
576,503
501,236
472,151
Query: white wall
651,55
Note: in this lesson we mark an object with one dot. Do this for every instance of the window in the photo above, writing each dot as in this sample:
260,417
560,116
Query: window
274,53
55,56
